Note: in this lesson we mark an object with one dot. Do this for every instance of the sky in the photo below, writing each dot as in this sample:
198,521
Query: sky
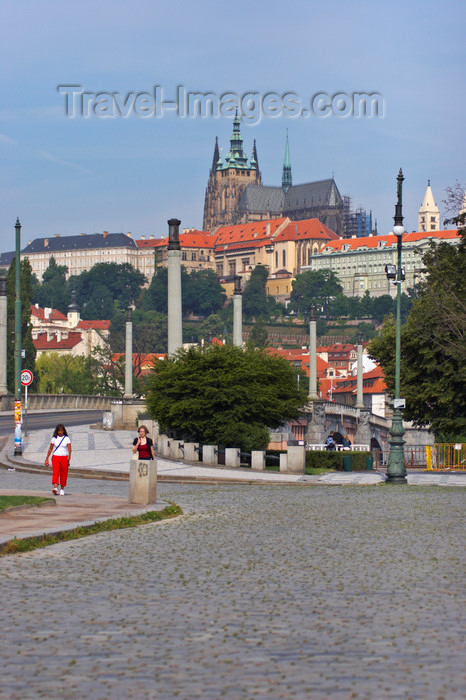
111,162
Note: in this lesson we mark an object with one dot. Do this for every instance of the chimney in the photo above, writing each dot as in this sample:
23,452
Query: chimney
105,234
267,228
47,311
46,242
151,237
143,238
56,235
129,234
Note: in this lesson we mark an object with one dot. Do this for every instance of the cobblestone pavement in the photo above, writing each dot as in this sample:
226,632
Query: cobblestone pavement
257,592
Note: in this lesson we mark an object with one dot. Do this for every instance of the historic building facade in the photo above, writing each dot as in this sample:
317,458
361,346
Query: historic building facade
235,193
359,263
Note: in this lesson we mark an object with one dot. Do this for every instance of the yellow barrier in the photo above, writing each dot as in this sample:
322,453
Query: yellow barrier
446,456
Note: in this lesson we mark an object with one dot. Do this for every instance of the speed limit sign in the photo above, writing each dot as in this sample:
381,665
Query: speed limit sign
26,377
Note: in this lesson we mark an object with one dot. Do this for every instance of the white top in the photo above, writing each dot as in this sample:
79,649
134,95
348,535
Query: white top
63,441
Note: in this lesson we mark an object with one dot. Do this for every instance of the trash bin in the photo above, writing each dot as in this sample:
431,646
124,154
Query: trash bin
369,463
347,463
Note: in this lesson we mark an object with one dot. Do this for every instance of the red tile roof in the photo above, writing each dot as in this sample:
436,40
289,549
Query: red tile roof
389,240
41,342
252,231
308,229
55,315
96,325
191,239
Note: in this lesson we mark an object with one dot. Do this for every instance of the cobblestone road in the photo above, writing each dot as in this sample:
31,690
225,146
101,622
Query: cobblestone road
257,592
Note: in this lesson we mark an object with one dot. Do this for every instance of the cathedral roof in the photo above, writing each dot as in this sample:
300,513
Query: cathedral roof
312,194
262,198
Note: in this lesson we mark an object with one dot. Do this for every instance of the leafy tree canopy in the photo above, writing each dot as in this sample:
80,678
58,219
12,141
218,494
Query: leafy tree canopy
314,288
104,287
255,301
53,290
223,395
64,374
433,367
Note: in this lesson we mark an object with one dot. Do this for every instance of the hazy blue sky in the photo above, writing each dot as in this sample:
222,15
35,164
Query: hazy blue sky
72,175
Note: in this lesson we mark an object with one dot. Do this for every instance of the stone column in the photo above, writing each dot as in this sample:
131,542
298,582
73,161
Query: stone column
237,313
129,354
359,377
313,395
3,336
175,327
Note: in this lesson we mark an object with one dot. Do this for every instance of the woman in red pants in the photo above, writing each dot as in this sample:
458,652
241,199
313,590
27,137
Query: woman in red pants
60,447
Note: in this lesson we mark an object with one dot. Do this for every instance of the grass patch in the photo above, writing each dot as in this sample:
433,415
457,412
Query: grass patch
15,545
11,501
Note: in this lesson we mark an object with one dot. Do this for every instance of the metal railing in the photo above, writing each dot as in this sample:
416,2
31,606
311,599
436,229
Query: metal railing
446,456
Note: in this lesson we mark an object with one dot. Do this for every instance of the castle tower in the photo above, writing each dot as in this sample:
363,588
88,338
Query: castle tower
228,180
286,175
429,215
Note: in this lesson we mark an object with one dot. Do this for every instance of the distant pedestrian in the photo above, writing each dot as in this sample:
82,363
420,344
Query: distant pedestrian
330,444
346,443
143,445
60,448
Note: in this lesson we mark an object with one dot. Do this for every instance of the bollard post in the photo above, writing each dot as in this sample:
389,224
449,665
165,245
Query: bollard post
191,451
209,455
232,457
258,460
143,481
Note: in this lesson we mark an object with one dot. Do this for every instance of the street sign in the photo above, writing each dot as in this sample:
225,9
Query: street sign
399,403
26,377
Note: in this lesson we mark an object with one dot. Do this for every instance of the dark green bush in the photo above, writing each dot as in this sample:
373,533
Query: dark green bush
326,459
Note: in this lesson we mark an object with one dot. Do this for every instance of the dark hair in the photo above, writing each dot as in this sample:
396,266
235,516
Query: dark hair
146,430
60,425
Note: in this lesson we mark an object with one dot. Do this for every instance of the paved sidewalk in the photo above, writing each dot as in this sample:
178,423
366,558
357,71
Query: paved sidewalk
64,513
107,454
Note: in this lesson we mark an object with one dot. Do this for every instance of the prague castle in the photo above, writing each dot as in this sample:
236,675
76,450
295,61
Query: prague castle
235,193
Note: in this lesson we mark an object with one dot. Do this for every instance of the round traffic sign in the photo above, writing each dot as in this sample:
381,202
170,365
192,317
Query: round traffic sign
26,377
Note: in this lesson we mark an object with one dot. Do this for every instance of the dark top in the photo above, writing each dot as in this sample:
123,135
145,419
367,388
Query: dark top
144,451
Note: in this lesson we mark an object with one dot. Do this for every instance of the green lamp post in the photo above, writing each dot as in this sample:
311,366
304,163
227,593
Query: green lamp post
18,448
396,468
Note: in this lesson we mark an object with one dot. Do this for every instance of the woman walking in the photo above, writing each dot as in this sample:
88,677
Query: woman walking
143,445
60,448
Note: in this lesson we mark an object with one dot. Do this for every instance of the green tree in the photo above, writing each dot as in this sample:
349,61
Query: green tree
28,362
203,295
314,288
255,293
64,374
258,336
223,395
53,290
105,288
433,367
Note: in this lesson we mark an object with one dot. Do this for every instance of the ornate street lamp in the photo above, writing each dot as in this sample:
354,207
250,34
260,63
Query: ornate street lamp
396,468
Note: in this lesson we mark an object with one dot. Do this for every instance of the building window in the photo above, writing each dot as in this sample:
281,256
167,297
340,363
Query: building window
193,256
232,266
284,258
184,255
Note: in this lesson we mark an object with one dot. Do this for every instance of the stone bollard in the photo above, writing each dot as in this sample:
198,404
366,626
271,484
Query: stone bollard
258,460
191,453
283,461
210,455
232,457
175,449
296,460
143,481
165,446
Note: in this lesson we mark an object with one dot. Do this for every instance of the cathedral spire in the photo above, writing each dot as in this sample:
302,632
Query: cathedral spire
287,180
236,158
216,154
254,162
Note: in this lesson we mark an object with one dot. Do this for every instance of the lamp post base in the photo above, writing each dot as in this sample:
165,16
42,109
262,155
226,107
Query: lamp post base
396,468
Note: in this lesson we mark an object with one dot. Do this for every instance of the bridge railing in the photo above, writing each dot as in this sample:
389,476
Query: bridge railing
353,448
68,401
